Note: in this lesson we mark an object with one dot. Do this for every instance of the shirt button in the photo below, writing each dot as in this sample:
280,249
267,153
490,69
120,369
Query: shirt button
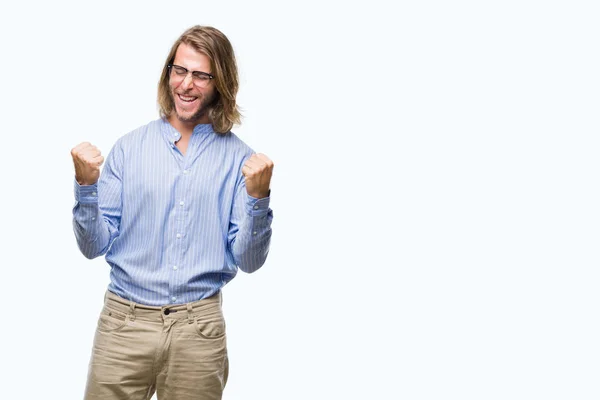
254,233
94,193
93,218
173,299
181,203
256,207
179,236
175,267
185,171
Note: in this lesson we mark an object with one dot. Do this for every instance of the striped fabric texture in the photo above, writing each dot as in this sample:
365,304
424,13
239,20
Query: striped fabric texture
174,228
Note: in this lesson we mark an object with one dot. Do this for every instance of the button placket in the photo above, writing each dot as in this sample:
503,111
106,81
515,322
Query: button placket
179,226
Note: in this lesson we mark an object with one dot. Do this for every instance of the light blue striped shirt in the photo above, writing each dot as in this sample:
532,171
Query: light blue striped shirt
174,228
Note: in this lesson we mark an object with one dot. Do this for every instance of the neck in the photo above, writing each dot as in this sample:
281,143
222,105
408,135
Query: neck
186,128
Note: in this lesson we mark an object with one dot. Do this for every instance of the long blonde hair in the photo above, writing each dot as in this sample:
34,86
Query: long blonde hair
224,112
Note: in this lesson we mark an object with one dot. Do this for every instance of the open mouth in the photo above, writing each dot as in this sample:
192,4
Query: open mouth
187,99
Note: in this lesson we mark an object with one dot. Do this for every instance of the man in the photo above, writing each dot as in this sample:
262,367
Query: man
181,204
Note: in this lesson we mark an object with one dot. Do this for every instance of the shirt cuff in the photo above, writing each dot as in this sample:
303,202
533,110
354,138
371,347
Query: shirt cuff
86,194
257,207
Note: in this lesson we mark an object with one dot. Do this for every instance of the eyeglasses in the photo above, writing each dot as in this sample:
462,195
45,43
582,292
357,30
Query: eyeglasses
179,73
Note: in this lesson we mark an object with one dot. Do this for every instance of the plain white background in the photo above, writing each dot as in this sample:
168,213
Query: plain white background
435,192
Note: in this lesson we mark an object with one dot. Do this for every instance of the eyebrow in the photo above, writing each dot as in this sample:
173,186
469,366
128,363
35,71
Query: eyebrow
191,70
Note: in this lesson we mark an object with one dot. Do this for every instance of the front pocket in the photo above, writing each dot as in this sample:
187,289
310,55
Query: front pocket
212,327
111,321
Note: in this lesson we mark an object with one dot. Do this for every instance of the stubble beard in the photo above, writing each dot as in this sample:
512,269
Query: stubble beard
203,108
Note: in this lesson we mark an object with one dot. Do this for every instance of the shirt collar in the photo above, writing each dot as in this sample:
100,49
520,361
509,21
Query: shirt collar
173,135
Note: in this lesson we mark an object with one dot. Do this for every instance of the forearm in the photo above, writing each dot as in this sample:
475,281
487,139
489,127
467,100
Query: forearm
251,244
91,230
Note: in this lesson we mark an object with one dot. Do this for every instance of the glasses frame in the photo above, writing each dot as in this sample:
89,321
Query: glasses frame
195,74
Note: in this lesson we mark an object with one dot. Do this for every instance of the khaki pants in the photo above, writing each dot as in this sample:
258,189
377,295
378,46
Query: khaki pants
180,351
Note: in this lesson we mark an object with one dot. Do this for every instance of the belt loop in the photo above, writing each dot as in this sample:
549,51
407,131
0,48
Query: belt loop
132,311
189,308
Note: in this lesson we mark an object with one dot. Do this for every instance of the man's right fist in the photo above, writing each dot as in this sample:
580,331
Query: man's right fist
87,160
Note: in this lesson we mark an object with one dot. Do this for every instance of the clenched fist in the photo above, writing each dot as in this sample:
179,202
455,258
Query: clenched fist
258,170
87,160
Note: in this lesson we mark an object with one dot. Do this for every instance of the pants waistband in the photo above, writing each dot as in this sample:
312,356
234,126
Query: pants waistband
134,310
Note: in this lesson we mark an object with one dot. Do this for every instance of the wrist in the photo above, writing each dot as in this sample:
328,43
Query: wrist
83,182
260,195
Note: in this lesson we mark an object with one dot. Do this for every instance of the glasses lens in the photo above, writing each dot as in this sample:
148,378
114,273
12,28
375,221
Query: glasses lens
178,73
201,80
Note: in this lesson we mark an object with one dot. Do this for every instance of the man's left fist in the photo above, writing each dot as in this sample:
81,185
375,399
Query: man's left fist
258,170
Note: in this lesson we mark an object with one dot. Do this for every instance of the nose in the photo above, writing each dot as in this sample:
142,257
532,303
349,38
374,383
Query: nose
187,82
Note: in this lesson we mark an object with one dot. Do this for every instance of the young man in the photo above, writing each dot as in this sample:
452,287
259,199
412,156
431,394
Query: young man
181,204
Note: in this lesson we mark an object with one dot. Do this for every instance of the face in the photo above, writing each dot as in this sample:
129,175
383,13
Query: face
191,102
